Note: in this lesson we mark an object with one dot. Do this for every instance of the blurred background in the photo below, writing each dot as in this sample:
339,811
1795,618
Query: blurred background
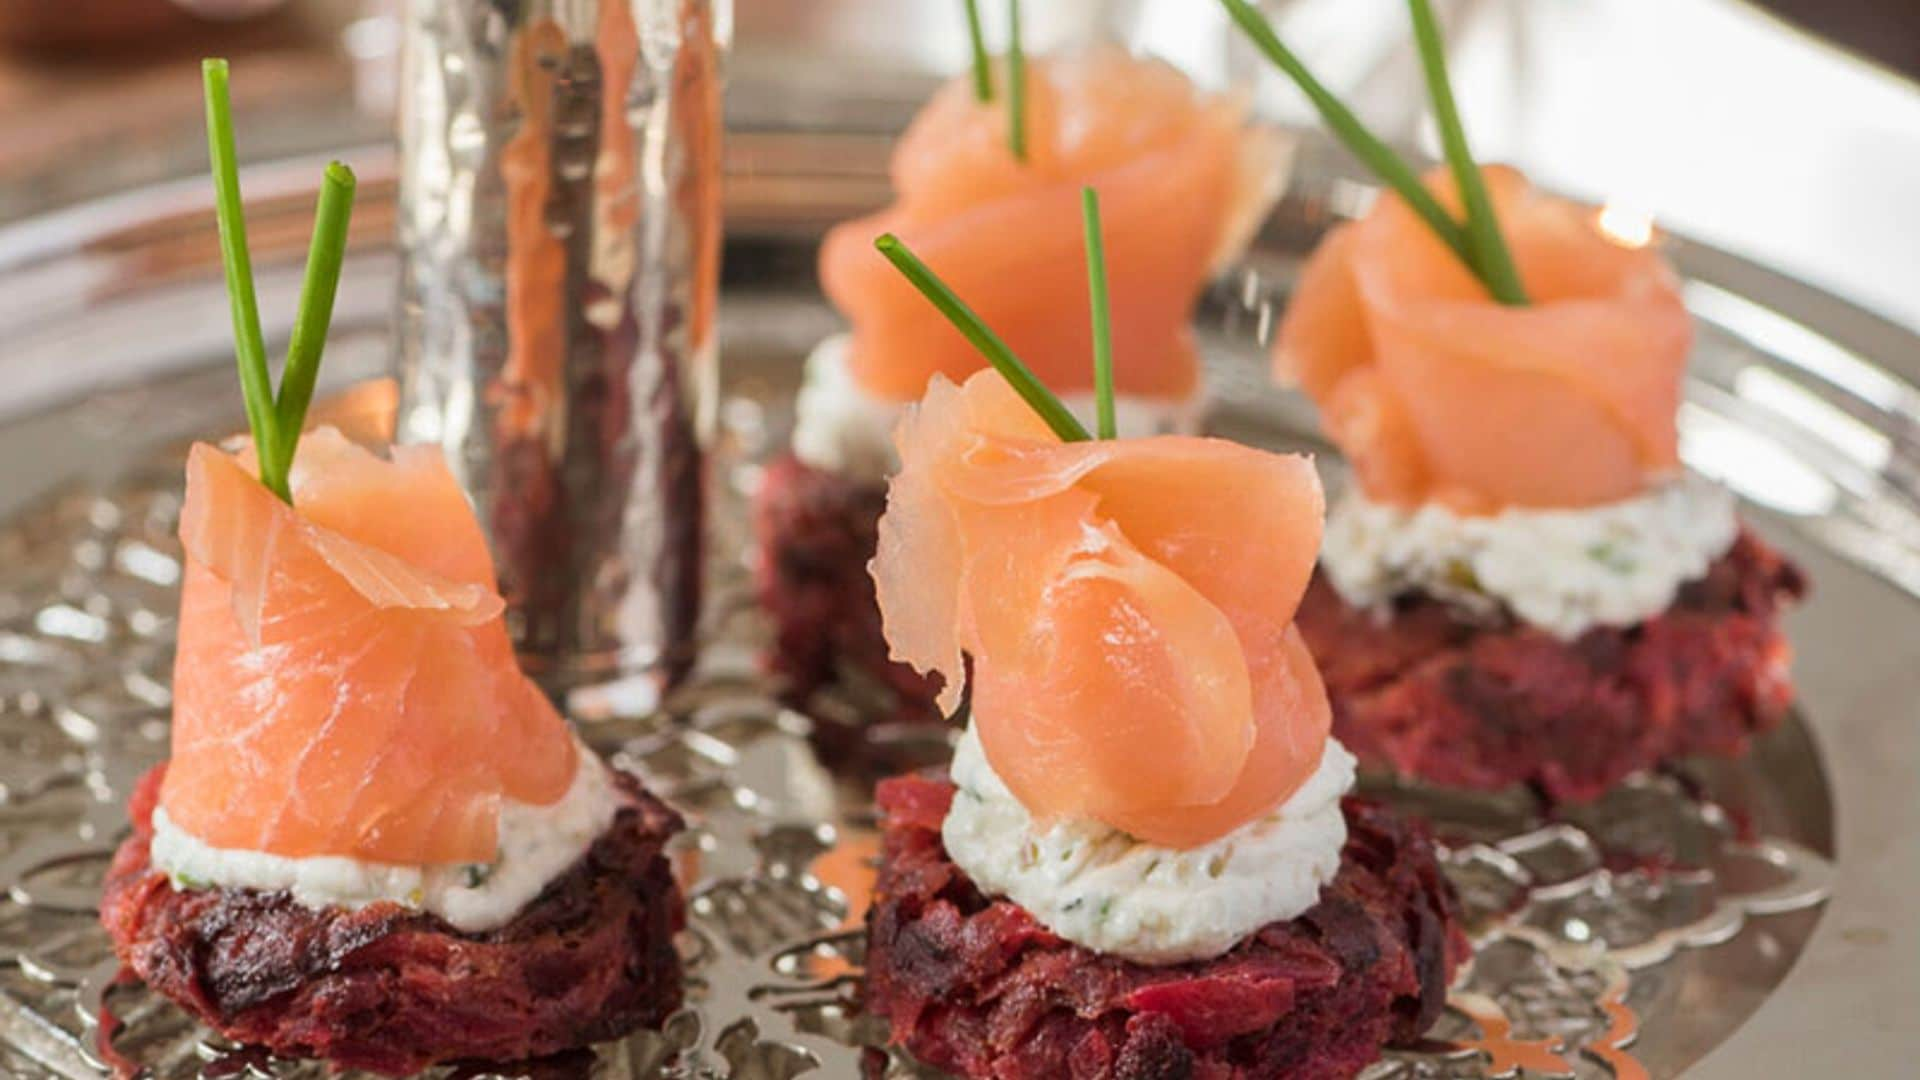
1787,131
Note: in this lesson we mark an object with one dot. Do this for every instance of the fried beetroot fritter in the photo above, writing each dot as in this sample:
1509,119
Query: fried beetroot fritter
817,531
977,986
391,990
1431,694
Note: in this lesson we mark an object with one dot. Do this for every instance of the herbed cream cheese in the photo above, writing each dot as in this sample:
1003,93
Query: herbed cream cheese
1565,571
840,427
537,844
1099,887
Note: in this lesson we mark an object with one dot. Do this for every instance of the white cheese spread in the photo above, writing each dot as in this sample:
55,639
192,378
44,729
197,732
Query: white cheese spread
1099,887
1565,571
841,427
537,844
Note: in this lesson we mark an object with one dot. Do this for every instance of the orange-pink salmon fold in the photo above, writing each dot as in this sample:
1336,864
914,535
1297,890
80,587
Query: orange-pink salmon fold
344,684
1183,180
1126,605
1437,393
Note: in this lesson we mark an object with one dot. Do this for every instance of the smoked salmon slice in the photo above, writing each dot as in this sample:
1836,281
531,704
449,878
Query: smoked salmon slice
343,683
1437,393
1182,180
1127,606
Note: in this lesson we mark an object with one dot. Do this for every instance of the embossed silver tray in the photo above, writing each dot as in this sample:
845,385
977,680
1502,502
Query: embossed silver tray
1746,919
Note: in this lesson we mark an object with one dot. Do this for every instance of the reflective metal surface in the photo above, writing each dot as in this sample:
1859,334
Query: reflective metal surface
560,238
1677,926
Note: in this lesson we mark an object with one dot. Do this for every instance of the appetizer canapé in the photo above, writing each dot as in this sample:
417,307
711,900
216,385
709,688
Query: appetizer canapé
1143,861
1184,179
1523,585
375,842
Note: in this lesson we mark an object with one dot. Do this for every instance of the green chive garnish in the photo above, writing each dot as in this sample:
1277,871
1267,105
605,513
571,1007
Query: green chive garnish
1483,229
275,424
1105,424
1016,84
315,313
249,344
1010,367
1365,145
982,66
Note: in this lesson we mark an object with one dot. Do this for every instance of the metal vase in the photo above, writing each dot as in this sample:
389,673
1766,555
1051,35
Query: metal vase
560,226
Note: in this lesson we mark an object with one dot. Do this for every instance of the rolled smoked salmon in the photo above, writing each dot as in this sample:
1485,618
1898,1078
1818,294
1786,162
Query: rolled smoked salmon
1182,179
1127,606
344,684
1437,393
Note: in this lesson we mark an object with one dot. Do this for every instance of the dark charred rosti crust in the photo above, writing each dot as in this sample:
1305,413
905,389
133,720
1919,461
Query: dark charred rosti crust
1432,695
817,531
393,991
978,987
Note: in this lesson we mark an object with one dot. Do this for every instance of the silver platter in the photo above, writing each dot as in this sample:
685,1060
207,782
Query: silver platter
1697,921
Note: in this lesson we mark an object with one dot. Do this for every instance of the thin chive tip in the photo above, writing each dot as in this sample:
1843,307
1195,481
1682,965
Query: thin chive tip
313,317
982,65
1106,425
981,336
256,384
1016,84
1373,152
1491,256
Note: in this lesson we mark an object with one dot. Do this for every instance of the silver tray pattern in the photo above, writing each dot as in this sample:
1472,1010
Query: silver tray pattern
1628,939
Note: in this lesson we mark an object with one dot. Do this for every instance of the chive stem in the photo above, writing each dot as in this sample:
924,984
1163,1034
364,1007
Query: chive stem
1106,425
982,337
1016,84
1364,144
249,346
1490,252
315,313
982,65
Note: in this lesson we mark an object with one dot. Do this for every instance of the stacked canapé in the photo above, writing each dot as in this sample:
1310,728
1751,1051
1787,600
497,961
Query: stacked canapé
1523,585
1143,861
375,842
